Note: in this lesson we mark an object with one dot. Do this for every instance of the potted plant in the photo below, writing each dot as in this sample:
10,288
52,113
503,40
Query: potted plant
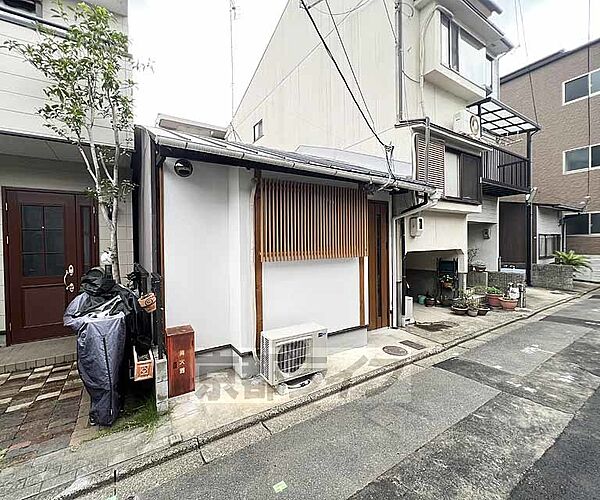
570,258
493,296
446,281
429,300
460,307
483,310
479,265
507,303
472,307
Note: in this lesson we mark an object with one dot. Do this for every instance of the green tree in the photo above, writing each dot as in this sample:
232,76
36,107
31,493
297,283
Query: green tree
86,66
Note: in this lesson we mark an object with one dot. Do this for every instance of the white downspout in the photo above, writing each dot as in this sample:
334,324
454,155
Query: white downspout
431,202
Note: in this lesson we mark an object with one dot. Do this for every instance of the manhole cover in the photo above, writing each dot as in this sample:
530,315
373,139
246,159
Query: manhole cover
412,344
437,326
394,350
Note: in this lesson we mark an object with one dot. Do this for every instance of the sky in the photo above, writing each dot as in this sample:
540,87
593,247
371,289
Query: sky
189,47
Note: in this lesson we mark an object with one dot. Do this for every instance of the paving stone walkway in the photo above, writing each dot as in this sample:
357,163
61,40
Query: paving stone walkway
41,410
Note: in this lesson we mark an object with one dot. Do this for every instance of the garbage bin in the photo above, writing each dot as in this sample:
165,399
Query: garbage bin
181,360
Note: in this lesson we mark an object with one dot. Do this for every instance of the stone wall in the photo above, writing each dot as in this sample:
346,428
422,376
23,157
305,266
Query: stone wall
476,278
501,280
553,276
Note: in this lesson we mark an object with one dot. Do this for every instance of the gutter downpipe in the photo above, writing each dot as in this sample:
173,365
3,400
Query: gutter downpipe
399,63
400,308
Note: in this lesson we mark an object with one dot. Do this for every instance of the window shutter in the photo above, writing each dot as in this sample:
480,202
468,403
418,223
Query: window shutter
436,162
302,221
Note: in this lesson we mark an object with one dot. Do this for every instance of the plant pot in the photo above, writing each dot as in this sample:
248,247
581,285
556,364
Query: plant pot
429,302
472,312
480,269
508,304
421,299
493,299
446,301
482,311
459,311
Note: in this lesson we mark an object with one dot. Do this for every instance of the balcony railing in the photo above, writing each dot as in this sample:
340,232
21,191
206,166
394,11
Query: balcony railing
505,173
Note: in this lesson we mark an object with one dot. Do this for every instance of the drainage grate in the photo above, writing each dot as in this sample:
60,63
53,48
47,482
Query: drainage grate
412,344
394,350
437,326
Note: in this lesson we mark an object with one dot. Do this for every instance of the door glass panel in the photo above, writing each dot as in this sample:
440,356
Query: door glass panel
31,217
33,241
53,218
33,264
55,264
55,240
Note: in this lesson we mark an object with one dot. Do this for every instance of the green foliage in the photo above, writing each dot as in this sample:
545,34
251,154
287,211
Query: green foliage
493,290
571,258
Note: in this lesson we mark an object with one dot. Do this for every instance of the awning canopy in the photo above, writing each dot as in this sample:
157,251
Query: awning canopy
501,120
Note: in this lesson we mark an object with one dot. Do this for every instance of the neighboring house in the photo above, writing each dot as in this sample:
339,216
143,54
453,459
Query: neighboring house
428,72
48,222
249,238
564,90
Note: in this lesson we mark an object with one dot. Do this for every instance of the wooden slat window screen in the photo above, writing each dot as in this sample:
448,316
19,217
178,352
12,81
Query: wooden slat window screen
436,162
302,221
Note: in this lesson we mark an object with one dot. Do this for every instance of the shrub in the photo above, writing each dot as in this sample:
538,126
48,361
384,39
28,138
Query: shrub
571,258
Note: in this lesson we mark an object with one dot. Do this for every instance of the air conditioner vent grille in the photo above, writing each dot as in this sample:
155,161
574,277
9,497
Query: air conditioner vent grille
291,356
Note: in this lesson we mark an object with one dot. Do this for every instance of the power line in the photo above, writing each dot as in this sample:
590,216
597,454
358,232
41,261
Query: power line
359,5
535,114
349,62
337,67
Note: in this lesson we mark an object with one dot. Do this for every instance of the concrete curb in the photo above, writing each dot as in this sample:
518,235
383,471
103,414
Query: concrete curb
125,469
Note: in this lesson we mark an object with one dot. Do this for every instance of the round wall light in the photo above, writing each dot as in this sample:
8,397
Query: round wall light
183,167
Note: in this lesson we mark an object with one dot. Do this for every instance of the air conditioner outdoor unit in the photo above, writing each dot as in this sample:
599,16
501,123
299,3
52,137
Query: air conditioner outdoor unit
292,352
467,123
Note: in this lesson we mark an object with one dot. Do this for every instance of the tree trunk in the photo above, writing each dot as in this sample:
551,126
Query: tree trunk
114,246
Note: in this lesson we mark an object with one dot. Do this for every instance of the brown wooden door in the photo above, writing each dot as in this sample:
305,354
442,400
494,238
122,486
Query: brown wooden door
49,242
513,234
379,310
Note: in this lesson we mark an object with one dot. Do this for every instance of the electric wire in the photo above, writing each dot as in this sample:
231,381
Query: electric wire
359,5
349,62
338,69
533,101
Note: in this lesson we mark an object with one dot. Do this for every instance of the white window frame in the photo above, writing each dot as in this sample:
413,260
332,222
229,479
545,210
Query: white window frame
589,167
452,20
589,94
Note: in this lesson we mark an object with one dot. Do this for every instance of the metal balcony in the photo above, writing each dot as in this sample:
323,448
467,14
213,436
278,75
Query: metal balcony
505,173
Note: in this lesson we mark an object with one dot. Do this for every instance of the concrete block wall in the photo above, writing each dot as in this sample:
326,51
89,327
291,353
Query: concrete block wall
553,276
475,278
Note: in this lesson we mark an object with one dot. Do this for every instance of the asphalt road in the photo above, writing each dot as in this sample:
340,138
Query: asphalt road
516,416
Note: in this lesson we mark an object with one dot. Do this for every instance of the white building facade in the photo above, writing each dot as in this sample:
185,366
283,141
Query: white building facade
427,73
48,222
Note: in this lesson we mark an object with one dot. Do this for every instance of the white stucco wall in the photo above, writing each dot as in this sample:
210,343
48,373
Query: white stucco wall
442,231
548,222
23,172
209,265
488,248
323,291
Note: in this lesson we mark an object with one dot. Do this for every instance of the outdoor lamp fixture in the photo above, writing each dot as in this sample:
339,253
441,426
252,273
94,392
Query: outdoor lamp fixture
531,195
183,167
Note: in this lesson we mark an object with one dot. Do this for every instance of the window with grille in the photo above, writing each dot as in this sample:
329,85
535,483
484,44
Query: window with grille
302,221
548,243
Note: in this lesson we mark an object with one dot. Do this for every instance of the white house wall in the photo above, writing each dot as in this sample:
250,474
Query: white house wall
548,222
23,172
324,291
209,265
488,249
21,86
442,231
